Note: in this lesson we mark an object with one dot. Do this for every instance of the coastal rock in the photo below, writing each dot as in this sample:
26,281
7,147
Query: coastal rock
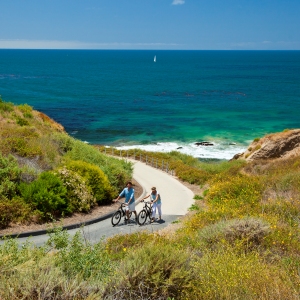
284,144
204,144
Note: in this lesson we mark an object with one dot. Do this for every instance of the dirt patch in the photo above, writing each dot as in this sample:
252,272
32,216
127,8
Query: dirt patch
97,211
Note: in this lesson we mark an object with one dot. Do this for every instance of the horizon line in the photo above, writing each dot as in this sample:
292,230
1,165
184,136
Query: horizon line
126,49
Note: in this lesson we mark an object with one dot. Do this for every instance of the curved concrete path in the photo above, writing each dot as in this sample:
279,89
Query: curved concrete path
176,200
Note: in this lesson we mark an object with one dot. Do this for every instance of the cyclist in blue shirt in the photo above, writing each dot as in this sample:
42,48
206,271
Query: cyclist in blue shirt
128,193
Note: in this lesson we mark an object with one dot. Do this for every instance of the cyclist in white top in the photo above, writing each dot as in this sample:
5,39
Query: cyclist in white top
156,200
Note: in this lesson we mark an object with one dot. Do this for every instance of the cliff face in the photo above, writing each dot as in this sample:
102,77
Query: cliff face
273,146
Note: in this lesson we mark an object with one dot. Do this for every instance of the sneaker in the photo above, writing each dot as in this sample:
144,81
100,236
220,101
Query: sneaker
126,221
152,220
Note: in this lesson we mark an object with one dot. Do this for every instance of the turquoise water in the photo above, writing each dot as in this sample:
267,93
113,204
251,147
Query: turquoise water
125,99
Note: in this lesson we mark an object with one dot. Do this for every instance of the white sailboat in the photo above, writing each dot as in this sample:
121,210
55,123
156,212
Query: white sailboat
155,58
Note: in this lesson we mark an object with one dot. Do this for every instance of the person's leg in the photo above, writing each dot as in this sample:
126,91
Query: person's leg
132,209
159,210
136,217
127,214
153,210
135,214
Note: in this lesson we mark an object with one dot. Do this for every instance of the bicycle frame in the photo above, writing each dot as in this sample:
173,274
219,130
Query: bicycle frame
119,214
145,213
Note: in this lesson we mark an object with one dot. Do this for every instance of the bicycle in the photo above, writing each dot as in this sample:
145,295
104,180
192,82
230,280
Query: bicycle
145,213
117,216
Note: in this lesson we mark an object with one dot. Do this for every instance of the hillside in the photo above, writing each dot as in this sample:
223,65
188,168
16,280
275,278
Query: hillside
46,174
240,239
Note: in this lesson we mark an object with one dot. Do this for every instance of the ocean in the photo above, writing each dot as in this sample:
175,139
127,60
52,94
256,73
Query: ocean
125,99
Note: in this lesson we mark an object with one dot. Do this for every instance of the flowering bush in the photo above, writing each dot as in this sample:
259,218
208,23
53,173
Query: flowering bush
79,194
95,179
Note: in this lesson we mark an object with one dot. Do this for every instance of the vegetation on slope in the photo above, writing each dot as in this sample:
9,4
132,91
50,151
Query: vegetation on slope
240,241
46,174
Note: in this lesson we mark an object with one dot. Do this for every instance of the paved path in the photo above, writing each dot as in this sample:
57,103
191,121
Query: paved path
176,199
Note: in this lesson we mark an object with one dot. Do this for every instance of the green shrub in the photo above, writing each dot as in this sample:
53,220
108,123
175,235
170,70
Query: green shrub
117,171
95,179
30,272
9,176
194,207
257,147
25,109
15,210
6,106
47,194
119,245
23,147
78,258
21,121
192,175
65,142
152,272
79,195
247,233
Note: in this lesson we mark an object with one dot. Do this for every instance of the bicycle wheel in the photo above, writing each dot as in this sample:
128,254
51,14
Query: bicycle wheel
116,218
142,217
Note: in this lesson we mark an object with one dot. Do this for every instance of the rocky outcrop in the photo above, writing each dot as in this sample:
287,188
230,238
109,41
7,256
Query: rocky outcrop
204,144
273,146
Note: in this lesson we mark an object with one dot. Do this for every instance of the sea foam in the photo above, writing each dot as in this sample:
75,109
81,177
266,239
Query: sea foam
217,151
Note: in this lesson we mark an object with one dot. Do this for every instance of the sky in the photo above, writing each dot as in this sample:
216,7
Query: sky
150,24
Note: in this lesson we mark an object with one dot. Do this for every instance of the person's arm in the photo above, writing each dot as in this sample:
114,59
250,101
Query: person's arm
156,198
131,197
145,197
116,199
121,195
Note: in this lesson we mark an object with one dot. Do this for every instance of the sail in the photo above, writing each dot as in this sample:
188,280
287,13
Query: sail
155,58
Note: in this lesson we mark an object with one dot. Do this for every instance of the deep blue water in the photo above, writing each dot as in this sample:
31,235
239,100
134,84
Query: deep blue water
124,98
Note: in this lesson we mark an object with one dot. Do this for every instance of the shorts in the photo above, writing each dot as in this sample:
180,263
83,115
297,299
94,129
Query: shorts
130,207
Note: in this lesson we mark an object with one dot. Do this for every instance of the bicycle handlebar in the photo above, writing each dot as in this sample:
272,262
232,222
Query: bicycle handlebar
148,202
122,203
